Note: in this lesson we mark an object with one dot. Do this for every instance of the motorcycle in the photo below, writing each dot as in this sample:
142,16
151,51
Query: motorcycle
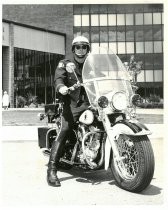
106,135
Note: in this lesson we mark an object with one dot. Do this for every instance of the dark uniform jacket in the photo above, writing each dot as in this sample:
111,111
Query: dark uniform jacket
77,99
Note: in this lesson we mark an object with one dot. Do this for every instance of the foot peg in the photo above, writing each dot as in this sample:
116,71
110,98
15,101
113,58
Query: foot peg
46,152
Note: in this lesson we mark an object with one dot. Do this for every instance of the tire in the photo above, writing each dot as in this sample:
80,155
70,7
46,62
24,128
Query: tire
136,171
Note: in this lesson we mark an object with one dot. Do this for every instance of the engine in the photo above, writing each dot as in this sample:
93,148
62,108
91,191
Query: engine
92,147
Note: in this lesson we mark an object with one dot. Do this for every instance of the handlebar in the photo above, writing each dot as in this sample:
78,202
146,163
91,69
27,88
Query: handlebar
74,87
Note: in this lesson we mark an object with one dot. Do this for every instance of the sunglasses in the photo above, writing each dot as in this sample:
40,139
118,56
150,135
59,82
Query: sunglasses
83,47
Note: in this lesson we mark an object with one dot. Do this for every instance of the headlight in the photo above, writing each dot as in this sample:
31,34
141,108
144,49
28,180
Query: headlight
119,101
103,102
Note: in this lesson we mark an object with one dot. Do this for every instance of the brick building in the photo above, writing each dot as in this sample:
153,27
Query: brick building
36,37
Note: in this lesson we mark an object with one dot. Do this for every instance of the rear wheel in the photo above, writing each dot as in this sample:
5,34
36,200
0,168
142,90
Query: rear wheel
134,170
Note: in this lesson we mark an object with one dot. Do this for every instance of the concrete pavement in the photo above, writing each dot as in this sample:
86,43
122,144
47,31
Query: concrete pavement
24,182
24,177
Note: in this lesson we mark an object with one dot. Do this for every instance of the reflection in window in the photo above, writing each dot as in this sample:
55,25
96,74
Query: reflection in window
85,20
158,61
94,20
139,47
112,20
157,35
148,33
129,19
85,32
138,8
103,20
120,19
77,9
123,58
157,18
139,19
148,47
141,76
112,8
121,47
77,20
148,61
129,34
130,47
85,8
77,31
113,47
158,76
149,75
94,34
139,33
94,8
147,18
112,34
103,34
103,9
157,47
120,9
121,33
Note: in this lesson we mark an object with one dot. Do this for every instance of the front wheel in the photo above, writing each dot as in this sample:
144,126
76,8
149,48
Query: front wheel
134,170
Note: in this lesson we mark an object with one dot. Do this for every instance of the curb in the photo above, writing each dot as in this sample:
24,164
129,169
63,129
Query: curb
30,133
138,110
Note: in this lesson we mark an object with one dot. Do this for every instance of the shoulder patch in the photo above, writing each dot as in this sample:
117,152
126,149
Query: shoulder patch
61,64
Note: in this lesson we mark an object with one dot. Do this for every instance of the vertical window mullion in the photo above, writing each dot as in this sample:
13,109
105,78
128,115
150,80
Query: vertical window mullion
116,33
107,31
125,34
153,49
89,25
144,48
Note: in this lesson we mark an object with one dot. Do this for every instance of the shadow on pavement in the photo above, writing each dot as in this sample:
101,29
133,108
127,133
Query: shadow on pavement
92,177
152,190
99,176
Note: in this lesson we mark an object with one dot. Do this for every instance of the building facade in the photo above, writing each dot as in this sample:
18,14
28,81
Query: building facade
41,35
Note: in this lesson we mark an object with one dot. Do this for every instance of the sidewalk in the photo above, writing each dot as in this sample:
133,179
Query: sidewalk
28,132
151,111
139,110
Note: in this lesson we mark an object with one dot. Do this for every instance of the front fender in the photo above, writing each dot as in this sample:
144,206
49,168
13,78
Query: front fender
131,127
127,127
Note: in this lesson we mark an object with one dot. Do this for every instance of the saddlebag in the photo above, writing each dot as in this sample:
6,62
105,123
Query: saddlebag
46,136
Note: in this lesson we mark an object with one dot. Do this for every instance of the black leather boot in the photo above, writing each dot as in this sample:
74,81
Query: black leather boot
52,178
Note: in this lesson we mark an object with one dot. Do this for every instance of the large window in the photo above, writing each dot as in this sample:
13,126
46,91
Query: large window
127,29
34,74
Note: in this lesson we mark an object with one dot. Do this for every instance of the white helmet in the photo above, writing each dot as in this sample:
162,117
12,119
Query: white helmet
80,55
80,40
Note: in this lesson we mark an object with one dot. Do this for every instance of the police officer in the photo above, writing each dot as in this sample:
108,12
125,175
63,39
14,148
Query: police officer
67,74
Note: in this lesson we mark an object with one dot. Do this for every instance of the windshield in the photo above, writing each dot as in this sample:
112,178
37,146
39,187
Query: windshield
104,73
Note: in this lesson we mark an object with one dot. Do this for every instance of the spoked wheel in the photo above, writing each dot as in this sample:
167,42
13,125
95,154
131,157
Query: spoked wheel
133,171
